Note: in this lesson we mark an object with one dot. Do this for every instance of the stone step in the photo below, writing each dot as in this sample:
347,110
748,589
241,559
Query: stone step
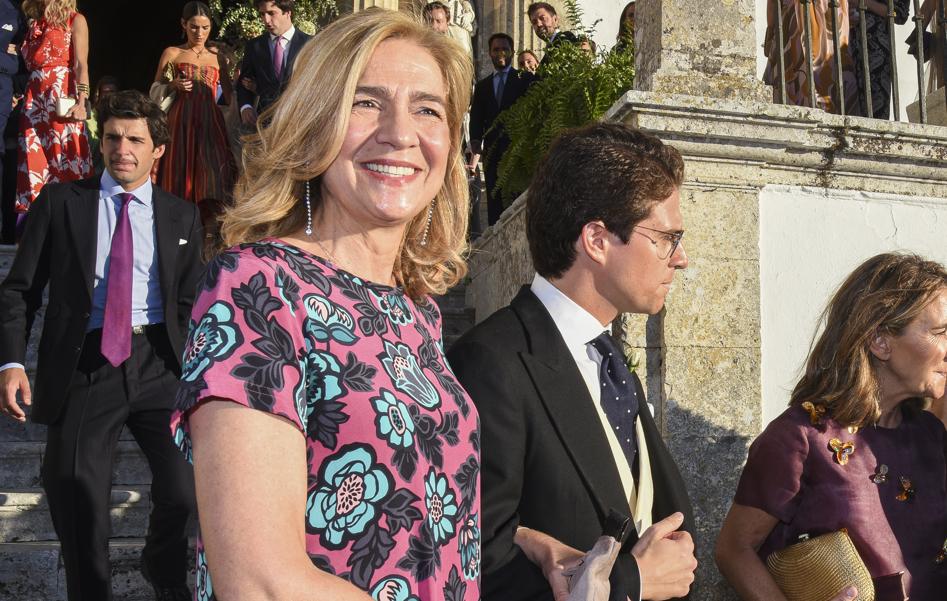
20,465
457,321
456,298
24,514
35,571
14,431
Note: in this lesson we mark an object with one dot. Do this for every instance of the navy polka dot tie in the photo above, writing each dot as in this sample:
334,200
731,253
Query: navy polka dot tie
619,399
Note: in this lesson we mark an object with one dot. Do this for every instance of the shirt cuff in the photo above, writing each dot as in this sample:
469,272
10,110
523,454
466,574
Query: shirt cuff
637,597
246,106
11,365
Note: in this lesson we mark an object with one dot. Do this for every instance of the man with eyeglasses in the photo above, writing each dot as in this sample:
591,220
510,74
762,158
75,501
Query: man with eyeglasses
570,450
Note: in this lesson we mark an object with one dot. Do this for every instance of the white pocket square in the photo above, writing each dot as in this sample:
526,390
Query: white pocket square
181,241
8,27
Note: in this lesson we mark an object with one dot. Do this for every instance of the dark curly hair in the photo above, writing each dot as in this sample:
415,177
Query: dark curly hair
604,172
132,104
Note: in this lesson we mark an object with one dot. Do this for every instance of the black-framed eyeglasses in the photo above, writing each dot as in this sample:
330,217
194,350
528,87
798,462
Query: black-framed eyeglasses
667,245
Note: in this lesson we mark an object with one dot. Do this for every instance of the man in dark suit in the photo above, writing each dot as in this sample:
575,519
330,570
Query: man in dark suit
570,449
122,260
268,59
492,95
545,22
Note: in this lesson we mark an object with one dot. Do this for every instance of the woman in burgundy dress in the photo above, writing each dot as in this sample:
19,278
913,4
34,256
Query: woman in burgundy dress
53,147
198,164
855,449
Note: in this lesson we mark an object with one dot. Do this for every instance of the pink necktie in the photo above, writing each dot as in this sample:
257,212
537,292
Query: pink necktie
278,57
117,325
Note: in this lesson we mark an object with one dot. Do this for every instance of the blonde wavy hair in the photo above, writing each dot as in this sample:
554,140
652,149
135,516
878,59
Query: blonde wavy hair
56,12
883,295
302,134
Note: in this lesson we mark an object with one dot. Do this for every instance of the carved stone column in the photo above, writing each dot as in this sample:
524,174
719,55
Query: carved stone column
697,48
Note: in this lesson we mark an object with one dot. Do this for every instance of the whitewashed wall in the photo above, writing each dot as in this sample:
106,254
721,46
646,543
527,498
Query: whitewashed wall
607,13
810,239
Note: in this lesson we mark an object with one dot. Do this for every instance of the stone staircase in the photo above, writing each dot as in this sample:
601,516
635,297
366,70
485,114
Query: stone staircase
456,316
30,562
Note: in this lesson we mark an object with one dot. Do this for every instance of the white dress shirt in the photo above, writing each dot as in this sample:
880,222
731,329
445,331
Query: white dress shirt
287,40
577,328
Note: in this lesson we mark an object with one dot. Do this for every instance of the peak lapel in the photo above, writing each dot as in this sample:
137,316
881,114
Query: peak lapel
564,394
167,231
295,45
82,214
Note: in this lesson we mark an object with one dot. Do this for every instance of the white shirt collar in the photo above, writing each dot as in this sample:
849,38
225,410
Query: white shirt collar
108,188
576,325
287,35
505,70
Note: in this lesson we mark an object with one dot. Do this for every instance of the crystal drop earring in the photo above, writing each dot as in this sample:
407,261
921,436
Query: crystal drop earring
427,226
308,211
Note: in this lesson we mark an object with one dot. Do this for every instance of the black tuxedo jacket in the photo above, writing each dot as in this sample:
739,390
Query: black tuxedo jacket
59,247
563,37
484,109
258,65
546,463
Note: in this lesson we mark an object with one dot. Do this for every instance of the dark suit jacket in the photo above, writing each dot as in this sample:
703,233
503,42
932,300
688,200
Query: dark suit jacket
484,110
544,451
12,28
258,65
59,247
563,37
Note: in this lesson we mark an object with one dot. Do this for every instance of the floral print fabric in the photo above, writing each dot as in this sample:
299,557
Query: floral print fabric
51,150
393,440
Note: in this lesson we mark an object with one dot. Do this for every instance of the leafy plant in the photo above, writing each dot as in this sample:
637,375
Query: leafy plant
238,20
574,88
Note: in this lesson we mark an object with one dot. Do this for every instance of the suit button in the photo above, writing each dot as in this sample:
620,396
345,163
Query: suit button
86,315
78,349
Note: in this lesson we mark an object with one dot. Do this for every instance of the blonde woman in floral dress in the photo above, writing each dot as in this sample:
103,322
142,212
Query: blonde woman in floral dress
336,457
53,148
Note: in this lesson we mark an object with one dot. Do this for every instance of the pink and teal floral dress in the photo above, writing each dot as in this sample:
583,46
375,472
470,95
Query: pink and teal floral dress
393,445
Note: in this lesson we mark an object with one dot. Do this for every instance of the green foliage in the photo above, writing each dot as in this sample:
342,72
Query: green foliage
574,88
238,20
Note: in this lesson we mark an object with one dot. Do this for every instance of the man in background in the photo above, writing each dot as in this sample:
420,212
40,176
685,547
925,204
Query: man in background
492,95
545,22
12,74
268,59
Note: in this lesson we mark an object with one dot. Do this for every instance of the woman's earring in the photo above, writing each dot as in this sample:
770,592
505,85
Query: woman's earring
427,226
308,211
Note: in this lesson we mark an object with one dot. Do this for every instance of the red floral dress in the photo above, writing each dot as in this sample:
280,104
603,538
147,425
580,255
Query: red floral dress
51,150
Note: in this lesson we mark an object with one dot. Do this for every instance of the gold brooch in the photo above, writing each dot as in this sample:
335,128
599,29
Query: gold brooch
843,450
815,412
881,476
907,489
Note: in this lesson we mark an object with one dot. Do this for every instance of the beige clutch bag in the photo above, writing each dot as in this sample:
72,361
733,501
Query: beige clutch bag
64,104
817,569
